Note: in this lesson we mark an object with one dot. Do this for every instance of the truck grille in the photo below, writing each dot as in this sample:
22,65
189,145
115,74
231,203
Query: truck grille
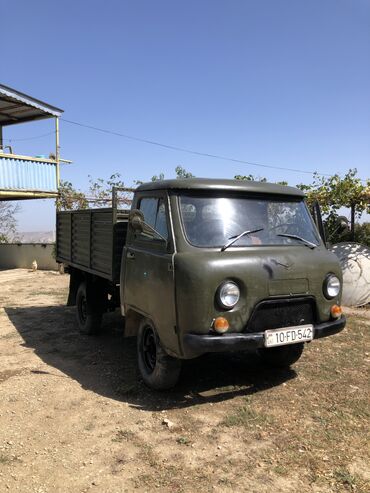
274,314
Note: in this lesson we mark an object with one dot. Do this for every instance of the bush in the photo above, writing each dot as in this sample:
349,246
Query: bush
362,235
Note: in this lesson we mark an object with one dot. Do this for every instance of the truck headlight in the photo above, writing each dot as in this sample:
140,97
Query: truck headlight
228,294
331,286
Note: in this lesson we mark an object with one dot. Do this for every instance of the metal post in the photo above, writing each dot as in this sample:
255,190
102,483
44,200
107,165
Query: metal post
1,137
114,205
57,149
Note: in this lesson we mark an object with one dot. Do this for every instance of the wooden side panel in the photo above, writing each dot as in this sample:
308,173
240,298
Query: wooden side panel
102,242
81,238
63,237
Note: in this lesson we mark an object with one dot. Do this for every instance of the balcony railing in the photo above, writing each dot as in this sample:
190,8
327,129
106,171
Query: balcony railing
25,176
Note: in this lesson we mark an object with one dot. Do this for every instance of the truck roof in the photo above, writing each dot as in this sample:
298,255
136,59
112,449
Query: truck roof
216,184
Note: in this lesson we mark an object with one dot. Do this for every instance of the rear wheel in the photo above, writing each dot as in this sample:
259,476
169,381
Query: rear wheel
88,318
158,370
281,356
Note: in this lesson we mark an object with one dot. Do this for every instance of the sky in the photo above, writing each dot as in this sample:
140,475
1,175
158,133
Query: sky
279,82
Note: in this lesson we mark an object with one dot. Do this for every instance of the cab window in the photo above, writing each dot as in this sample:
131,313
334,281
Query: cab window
155,216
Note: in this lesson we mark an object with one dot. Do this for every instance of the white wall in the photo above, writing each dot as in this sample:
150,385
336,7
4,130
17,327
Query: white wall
21,255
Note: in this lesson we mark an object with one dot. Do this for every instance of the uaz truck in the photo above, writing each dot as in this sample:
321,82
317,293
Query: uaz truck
204,265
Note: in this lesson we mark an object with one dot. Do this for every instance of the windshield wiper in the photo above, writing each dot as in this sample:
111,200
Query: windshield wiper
235,238
296,237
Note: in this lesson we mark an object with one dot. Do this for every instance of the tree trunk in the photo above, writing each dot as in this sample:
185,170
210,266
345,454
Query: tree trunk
353,210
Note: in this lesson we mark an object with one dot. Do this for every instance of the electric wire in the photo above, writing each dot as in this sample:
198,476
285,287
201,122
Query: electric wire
190,151
30,138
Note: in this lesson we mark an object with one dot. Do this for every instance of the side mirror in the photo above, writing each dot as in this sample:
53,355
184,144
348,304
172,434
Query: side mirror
136,221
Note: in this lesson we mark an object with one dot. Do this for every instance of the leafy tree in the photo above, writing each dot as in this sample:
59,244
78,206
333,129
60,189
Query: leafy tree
262,179
182,173
361,234
99,194
250,177
100,190
8,222
157,177
69,198
335,192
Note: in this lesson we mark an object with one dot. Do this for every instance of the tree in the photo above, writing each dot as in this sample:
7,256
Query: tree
250,177
69,198
155,178
8,222
262,179
100,190
335,192
182,173
99,194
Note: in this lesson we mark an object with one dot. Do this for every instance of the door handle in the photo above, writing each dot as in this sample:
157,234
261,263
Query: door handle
130,256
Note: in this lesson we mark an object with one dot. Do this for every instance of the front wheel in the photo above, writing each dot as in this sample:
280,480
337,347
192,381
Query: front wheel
158,370
281,356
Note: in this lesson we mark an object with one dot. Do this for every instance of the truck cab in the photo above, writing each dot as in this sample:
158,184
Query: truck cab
221,265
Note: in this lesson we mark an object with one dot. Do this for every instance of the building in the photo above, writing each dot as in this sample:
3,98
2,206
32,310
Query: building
27,177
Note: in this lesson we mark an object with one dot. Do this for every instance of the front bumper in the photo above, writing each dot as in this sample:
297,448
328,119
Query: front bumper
197,344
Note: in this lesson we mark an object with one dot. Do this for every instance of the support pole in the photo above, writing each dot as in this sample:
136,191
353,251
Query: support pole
353,222
1,137
57,149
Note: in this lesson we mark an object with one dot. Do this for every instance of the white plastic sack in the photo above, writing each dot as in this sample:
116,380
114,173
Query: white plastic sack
355,262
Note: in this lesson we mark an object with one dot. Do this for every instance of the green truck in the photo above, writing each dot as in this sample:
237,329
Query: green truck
204,265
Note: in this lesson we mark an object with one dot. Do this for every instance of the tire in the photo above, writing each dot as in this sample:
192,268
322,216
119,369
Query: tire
281,356
88,319
158,370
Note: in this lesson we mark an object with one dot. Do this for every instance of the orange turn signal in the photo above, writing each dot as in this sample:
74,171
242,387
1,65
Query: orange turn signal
220,324
336,311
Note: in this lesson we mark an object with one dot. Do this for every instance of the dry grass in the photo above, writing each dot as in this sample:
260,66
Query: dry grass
76,402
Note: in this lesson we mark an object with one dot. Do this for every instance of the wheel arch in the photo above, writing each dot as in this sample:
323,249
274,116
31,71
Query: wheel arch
76,276
133,319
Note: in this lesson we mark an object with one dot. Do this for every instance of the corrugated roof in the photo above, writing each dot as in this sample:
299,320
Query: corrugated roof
16,107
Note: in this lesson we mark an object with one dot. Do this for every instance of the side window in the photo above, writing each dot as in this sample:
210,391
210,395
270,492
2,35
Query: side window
161,222
155,216
149,208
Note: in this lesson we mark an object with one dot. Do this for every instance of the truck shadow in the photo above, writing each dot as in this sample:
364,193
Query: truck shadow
106,364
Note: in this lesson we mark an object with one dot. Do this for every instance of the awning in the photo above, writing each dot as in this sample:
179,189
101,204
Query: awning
16,107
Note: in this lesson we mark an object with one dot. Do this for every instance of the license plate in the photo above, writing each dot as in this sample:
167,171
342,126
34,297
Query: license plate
288,335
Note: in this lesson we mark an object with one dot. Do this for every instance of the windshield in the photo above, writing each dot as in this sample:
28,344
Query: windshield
214,221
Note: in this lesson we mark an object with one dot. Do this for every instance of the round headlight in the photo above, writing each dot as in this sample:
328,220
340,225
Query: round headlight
228,295
331,286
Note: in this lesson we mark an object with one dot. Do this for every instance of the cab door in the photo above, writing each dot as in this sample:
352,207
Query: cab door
149,286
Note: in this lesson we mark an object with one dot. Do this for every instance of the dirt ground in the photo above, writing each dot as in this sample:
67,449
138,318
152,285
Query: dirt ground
74,416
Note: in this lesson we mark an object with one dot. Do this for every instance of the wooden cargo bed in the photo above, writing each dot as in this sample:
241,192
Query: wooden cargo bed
92,240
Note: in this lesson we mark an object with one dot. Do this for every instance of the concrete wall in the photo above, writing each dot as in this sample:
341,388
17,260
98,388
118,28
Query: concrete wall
21,255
